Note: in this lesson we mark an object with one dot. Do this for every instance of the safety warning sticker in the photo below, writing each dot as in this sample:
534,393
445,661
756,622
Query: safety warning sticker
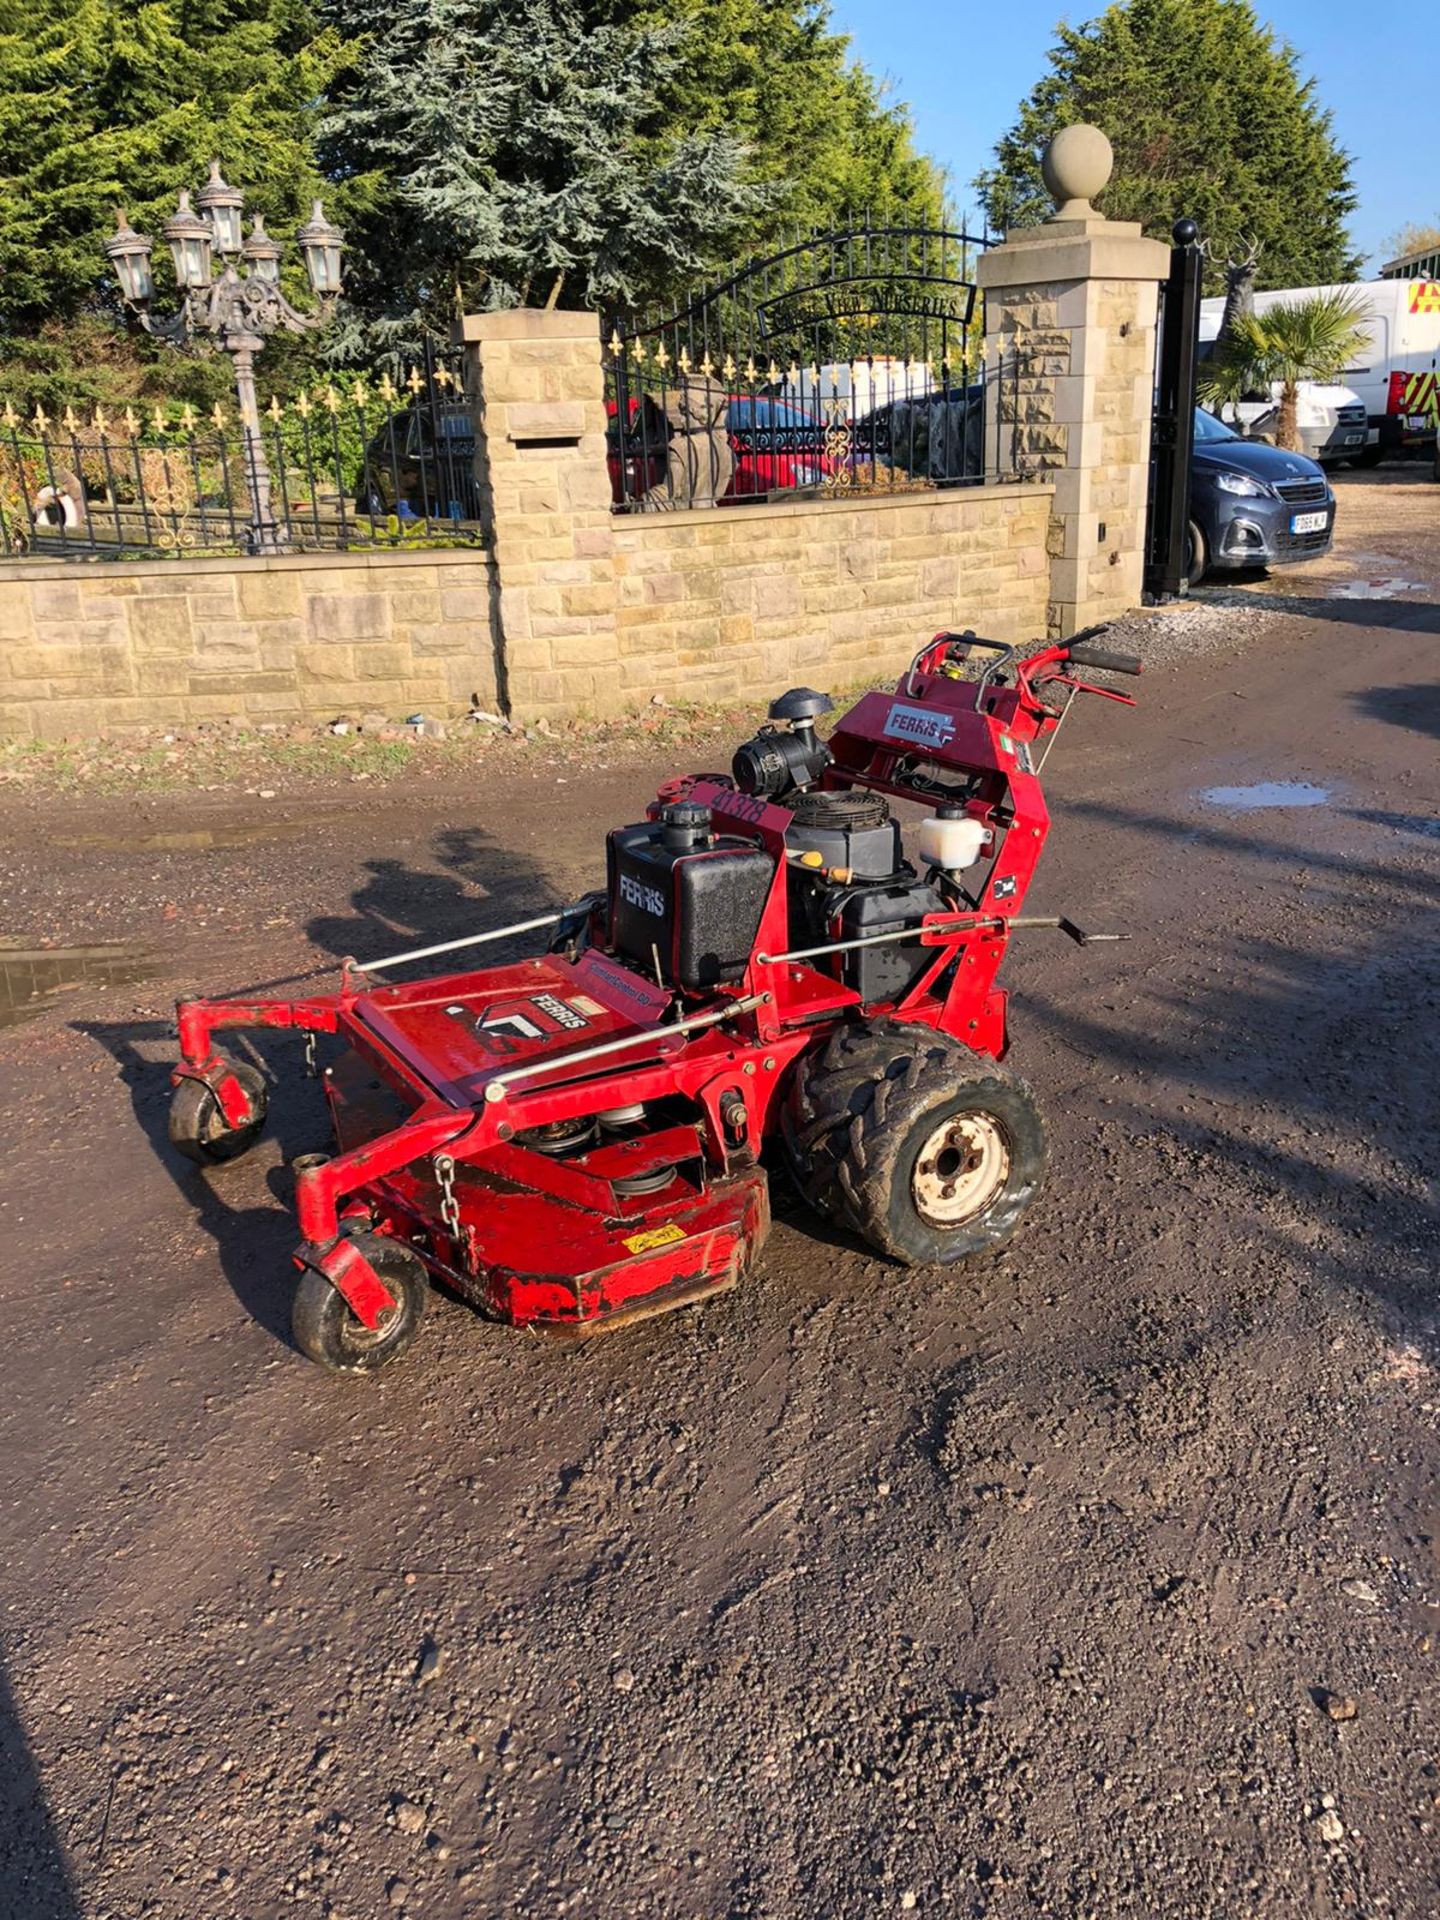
653,1237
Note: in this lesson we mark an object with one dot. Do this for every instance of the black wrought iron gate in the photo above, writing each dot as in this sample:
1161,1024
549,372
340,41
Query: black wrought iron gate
1172,436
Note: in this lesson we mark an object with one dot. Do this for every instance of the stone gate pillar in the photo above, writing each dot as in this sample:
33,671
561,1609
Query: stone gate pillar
538,397
1075,301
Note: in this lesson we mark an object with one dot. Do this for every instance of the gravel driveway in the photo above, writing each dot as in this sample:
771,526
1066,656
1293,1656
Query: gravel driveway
1101,1578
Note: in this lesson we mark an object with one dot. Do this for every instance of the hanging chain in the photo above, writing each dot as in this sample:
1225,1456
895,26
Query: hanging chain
449,1205
311,1072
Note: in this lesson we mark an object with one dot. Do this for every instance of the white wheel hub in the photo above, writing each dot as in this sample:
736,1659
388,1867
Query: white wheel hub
960,1169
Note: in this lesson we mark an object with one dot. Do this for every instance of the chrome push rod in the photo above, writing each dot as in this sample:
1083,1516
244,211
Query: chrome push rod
1022,923
967,925
470,940
497,1088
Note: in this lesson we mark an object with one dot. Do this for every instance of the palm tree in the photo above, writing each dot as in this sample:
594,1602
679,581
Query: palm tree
1314,339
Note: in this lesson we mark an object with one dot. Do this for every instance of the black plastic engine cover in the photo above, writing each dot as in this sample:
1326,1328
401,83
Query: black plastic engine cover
698,907
851,830
828,912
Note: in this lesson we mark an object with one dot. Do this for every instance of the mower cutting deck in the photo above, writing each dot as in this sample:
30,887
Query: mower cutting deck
575,1139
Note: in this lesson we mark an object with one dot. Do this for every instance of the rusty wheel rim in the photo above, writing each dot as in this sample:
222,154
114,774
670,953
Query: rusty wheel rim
959,1170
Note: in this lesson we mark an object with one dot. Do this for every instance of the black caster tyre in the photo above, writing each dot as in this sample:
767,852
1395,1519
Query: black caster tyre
330,1334
928,1151
198,1127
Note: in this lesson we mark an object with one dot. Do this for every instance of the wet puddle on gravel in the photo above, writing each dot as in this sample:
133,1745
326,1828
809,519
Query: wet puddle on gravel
187,839
1391,587
31,977
1266,793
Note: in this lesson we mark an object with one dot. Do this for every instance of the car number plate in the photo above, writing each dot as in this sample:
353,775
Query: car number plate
1353,439
1418,422
1307,522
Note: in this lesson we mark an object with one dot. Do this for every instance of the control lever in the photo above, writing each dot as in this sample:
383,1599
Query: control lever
1067,927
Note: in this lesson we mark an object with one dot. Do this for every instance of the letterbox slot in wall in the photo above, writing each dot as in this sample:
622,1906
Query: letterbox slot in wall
543,442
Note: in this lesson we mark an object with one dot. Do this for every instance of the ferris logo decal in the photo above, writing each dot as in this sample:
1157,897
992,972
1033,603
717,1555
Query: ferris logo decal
558,1011
919,724
648,899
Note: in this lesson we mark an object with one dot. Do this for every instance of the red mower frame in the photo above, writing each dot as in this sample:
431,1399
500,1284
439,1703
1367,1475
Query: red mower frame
451,1088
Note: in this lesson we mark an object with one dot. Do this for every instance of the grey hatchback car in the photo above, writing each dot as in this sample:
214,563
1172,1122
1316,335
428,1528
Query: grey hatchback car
1253,505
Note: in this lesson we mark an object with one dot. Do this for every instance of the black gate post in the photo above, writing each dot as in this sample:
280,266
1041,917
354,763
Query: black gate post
1172,436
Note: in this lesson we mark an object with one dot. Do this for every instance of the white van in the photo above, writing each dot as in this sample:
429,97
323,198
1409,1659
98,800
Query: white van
1396,377
1331,420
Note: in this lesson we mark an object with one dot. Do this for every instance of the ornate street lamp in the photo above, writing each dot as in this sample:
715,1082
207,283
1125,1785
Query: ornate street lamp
240,310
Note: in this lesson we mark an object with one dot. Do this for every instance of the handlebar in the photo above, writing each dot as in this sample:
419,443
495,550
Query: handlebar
1103,659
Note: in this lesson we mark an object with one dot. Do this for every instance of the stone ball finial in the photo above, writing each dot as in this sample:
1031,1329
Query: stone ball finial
1076,166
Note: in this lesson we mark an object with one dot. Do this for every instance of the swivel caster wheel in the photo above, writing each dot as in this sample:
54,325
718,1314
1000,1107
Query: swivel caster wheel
329,1332
198,1127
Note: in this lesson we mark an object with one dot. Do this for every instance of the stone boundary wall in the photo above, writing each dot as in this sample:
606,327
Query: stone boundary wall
718,605
89,646
727,605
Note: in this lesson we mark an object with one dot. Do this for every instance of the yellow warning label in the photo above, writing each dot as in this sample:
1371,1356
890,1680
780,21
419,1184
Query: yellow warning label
1425,296
654,1237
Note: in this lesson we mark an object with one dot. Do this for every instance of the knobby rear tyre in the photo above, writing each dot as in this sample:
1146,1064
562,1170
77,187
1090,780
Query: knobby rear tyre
930,1152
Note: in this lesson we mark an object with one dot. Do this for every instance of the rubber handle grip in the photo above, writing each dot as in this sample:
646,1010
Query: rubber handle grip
1106,661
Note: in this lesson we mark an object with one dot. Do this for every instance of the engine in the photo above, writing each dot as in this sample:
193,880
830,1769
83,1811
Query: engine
684,899
851,880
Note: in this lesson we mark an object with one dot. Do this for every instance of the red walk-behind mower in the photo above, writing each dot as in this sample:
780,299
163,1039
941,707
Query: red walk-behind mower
575,1139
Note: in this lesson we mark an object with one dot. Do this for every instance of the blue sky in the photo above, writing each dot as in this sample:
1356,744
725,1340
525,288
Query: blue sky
964,67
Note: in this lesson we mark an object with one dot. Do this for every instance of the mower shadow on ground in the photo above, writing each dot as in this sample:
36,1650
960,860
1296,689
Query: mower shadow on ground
484,884
1315,1075
253,1242
34,1878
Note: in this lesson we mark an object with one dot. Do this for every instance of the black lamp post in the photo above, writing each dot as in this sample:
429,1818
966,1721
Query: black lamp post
240,310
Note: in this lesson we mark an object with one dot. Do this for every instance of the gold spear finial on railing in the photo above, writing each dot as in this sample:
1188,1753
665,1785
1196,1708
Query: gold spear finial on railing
10,417
752,372
359,397
416,382
217,414
331,399
157,419
187,418
728,370
132,422
69,422
302,405
444,377
707,368
387,390
42,419
683,363
662,359
772,373
275,410
617,345
100,423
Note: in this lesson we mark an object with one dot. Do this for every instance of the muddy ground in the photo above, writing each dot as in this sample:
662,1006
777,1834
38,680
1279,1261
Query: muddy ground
1044,1587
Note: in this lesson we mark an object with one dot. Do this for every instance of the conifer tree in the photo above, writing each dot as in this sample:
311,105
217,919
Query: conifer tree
104,101
1209,116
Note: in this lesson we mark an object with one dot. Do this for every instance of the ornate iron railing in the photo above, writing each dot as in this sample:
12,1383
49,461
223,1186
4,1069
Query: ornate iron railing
847,362
353,464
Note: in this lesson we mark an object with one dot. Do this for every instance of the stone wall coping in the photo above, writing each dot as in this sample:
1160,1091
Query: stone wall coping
1107,250
529,323
239,567
863,502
